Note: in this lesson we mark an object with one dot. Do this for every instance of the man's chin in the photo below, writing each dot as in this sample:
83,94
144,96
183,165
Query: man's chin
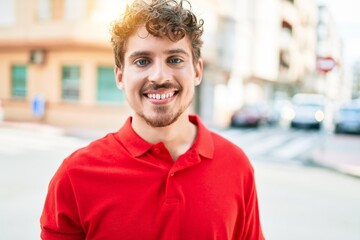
160,121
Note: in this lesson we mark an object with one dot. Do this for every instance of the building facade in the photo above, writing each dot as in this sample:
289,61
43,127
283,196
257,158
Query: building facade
58,52
275,51
355,88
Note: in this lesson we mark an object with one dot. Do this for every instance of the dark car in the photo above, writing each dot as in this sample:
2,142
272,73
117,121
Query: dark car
348,119
248,116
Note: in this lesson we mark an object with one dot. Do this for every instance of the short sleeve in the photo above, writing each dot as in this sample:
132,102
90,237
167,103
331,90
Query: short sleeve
252,225
60,218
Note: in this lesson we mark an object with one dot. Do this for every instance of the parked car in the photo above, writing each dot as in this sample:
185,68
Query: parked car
307,111
347,119
278,113
248,116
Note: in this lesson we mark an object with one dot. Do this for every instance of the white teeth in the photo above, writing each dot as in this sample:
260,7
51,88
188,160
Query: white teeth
160,96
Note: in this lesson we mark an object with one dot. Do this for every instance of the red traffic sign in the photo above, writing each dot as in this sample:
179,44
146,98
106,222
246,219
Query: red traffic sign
325,64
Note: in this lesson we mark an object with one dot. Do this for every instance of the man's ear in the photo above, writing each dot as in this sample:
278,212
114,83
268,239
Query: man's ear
199,67
119,77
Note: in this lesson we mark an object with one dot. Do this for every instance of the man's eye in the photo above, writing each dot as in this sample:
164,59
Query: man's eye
175,60
141,62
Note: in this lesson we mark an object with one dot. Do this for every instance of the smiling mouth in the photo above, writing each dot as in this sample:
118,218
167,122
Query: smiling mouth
161,93
158,96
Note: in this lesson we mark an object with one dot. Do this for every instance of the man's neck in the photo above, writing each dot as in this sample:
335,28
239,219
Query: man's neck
177,137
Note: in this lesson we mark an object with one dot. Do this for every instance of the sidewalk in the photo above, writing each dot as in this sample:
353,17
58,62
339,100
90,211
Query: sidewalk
84,133
340,153
32,126
331,160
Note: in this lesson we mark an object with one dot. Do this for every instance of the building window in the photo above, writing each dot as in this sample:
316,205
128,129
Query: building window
18,81
286,27
107,90
44,10
105,10
284,59
75,10
7,13
70,83
50,10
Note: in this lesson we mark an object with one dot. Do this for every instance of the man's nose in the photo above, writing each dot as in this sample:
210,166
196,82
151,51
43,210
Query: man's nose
159,72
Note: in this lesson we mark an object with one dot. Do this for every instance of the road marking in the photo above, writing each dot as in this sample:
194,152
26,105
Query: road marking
273,143
266,145
294,148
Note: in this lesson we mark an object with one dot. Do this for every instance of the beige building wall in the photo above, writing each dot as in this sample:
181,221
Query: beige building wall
84,42
45,80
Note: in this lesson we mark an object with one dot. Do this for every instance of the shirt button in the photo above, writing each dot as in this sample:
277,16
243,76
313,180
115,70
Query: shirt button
172,174
156,150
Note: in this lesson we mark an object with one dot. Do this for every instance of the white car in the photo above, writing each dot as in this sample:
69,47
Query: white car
307,111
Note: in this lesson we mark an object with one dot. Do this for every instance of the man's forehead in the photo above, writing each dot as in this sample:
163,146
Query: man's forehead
142,41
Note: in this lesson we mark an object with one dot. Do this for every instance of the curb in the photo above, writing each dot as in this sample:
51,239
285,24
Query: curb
320,159
33,126
38,127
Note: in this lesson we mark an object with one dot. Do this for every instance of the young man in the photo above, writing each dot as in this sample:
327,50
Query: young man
163,175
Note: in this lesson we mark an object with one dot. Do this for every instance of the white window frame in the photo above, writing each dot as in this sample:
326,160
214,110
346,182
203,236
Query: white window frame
7,13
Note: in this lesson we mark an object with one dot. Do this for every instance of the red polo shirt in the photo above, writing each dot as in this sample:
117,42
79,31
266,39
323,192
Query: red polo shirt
121,187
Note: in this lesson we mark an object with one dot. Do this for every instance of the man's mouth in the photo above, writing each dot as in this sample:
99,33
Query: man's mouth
161,96
161,93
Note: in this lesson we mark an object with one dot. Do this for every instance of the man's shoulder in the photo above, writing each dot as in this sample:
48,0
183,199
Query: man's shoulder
100,148
98,154
229,151
221,141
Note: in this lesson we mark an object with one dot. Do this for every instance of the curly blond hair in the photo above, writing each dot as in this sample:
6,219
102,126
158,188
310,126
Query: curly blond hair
162,18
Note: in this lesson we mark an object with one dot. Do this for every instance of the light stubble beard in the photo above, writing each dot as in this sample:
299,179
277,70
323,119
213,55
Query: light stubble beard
163,116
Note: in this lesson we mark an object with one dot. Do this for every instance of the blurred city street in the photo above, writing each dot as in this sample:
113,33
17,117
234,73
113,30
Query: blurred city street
298,198
272,70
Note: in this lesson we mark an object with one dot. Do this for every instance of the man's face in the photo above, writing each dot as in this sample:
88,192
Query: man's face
158,77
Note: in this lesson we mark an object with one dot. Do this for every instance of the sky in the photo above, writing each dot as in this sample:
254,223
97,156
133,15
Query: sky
346,15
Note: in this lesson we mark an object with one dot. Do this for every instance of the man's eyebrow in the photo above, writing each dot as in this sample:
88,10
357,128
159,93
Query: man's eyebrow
148,53
139,53
178,50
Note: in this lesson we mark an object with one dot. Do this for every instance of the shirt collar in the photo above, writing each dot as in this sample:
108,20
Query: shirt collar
204,141
133,142
138,146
